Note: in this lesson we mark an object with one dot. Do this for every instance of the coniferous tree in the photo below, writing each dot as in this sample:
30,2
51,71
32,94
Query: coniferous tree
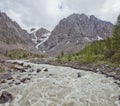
116,36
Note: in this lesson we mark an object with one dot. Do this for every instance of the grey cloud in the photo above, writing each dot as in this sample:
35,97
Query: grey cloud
47,13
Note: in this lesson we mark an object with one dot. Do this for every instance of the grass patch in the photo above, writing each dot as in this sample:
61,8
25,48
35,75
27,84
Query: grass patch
21,54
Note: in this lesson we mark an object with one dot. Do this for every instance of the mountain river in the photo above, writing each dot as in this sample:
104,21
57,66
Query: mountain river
61,86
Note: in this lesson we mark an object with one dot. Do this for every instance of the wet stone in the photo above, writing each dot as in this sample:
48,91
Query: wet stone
24,80
31,70
22,70
17,83
10,78
5,97
45,69
2,81
50,74
38,70
119,97
28,66
78,75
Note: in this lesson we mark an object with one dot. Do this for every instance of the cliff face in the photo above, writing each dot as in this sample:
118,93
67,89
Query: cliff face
12,36
73,32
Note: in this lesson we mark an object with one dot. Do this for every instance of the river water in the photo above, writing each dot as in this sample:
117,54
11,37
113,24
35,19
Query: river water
61,86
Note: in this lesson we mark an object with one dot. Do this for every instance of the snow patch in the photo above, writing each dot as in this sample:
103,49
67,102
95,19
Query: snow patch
100,38
43,40
87,39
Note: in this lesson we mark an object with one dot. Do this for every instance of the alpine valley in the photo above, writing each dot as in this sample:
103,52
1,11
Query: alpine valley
71,34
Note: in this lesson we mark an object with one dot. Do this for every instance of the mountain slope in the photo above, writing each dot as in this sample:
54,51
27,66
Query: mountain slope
73,32
39,36
12,36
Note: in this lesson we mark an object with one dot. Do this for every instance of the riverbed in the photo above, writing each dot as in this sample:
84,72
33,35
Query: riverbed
64,86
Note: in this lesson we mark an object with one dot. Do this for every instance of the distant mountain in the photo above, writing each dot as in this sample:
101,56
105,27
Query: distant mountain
38,33
70,35
39,36
73,32
12,36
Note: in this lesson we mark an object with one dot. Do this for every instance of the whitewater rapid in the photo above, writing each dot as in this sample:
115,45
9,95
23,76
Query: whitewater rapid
61,86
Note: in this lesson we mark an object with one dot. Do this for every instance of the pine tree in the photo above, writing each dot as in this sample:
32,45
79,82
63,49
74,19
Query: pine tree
62,53
116,36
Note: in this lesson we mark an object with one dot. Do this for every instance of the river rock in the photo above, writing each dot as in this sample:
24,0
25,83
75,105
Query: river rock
45,69
38,70
22,70
5,97
17,83
16,67
24,80
28,66
2,81
10,78
31,70
18,63
79,74
5,76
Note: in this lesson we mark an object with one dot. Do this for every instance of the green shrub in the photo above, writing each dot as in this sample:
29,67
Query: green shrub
109,53
116,58
20,54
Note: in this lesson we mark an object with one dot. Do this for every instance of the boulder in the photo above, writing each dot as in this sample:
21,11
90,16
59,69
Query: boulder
22,70
2,81
45,69
31,70
17,83
18,63
10,78
16,67
24,80
5,97
5,76
119,97
50,74
28,66
38,70
78,74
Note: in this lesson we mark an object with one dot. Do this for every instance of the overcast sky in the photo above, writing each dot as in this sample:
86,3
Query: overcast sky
47,13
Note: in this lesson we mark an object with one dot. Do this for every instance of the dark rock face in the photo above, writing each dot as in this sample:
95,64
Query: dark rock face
37,35
73,32
12,36
41,32
5,97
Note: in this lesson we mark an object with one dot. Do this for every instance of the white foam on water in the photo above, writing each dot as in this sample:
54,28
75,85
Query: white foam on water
60,86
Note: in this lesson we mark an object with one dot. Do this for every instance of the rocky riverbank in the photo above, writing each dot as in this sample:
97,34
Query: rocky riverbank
14,74
108,70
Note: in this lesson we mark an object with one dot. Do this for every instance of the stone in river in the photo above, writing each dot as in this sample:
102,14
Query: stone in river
38,70
78,75
5,97
45,69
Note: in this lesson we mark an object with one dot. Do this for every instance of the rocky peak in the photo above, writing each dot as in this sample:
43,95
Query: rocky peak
12,36
4,16
76,17
41,32
73,32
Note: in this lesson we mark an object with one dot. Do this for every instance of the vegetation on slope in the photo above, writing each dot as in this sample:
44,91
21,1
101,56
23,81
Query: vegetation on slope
104,50
21,54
